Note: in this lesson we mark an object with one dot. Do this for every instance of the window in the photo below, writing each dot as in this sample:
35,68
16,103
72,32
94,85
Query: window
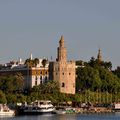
35,82
46,78
41,82
69,73
63,73
63,84
40,77
36,78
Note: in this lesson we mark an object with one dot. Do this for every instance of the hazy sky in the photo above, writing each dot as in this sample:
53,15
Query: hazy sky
35,26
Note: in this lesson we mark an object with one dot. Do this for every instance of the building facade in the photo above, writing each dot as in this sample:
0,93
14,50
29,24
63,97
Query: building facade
62,70
32,75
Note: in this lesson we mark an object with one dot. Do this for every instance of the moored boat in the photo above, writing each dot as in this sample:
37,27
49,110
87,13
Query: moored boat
60,110
6,111
37,107
116,107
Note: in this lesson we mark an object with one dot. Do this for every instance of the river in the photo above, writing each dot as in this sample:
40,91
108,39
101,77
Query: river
103,116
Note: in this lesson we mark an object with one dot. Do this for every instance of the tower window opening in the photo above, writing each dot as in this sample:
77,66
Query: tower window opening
63,84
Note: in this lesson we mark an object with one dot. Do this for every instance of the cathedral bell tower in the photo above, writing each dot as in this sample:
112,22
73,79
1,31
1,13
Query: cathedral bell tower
99,56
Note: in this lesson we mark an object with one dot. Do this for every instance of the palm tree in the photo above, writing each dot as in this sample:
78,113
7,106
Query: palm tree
19,81
36,61
44,62
29,62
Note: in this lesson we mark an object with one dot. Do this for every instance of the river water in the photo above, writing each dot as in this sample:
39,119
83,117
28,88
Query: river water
103,116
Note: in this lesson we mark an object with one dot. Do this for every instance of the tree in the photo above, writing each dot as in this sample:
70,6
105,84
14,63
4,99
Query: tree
11,98
96,63
31,63
36,61
117,71
107,65
47,88
44,62
12,83
87,78
2,98
19,82
110,82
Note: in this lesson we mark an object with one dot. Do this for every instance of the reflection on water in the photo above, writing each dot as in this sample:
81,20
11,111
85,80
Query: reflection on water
109,116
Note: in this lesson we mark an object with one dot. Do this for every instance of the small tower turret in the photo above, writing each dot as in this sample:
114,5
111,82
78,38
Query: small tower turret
61,42
99,56
31,57
62,52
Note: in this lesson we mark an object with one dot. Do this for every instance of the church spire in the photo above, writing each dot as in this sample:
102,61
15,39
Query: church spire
99,56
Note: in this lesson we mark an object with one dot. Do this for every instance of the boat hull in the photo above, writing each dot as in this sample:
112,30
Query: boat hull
35,112
12,113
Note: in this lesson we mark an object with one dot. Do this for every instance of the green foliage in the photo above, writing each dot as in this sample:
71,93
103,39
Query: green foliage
49,87
18,82
87,78
11,98
96,63
110,82
117,71
31,63
97,78
44,62
97,75
2,98
10,84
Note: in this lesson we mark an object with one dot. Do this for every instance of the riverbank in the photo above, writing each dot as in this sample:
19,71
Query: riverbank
94,110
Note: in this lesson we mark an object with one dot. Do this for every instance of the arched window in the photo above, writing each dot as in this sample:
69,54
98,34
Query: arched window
63,84
45,77
40,77
35,82
40,81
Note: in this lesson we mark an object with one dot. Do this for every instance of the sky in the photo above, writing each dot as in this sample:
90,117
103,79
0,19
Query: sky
35,26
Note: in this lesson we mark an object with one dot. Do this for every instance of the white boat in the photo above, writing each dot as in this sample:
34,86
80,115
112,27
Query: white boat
116,107
6,111
60,110
37,107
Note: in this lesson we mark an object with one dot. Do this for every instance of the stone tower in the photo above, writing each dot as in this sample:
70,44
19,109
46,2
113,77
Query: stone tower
99,56
62,70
